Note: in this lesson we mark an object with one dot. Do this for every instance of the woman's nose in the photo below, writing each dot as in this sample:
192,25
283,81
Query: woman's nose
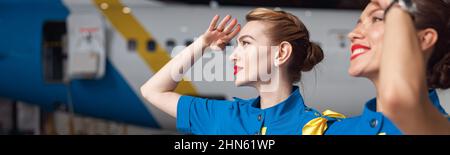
355,34
233,56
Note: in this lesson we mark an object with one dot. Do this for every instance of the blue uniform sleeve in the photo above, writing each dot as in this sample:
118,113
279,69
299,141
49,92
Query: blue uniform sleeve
200,115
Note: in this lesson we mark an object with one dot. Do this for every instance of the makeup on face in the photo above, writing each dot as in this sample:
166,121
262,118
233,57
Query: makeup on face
357,50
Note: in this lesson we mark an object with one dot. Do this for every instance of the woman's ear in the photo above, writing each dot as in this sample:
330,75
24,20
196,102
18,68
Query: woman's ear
427,39
283,54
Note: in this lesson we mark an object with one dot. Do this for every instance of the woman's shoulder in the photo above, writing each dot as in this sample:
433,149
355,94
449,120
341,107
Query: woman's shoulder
235,101
343,125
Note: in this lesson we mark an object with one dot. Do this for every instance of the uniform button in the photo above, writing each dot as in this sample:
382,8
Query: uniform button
259,117
373,123
317,114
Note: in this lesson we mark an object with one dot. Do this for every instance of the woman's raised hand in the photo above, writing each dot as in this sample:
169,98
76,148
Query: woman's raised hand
217,36
382,3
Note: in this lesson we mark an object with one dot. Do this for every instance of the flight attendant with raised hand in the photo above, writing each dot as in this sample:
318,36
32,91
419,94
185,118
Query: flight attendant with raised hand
279,109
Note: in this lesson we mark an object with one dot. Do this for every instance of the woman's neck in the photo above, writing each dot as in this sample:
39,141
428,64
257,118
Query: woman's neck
375,82
274,92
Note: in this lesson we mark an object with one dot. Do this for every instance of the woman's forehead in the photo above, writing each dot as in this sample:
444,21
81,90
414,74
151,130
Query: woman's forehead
370,8
254,29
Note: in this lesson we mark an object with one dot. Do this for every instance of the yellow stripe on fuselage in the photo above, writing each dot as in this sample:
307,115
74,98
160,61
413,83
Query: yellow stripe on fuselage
130,28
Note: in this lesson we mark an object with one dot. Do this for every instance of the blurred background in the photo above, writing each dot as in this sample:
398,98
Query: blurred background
76,66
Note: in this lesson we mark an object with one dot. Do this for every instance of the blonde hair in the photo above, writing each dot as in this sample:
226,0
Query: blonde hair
284,26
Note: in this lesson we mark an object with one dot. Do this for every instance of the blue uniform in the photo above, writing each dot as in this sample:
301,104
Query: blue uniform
243,117
371,122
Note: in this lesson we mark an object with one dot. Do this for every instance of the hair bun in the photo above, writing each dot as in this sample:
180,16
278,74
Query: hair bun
313,57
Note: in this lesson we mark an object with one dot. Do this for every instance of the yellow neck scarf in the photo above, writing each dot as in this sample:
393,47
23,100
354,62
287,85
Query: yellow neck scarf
317,126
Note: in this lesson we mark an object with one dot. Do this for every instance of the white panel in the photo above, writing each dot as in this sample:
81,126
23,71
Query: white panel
87,54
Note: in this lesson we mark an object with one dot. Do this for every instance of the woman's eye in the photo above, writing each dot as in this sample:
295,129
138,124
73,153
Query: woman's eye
376,19
244,43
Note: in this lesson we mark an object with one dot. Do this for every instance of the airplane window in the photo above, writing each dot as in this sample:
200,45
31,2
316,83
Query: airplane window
188,42
342,40
171,43
131,45
151,45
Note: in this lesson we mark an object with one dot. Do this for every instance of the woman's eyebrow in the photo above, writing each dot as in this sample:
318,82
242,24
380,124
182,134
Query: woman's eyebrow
245,36
368,14
374,10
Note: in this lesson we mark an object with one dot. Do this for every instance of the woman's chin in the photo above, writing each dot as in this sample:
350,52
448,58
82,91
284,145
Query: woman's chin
240,83
237,83
366,73
355,72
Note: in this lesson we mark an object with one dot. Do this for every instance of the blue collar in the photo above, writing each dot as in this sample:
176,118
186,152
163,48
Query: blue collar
292,105
370,108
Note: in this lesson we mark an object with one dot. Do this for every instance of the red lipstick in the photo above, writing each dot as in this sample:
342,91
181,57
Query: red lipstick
236,69
356,47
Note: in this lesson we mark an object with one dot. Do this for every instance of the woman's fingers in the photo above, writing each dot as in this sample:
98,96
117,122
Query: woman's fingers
230,26
382,3
234,33
224,34
213,23
223,23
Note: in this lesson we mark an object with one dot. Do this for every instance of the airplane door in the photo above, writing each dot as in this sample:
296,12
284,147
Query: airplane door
86,54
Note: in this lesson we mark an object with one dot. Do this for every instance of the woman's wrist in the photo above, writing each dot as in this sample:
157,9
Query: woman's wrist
406,6
198,46
202,42
395,13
